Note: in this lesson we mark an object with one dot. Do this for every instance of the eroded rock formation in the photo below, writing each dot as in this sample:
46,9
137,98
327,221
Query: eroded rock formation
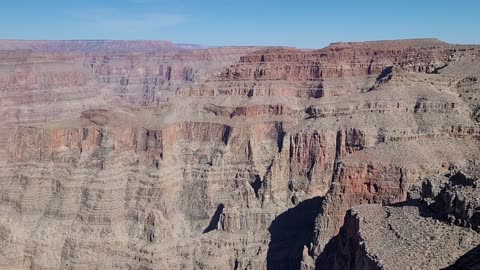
413,234
154,156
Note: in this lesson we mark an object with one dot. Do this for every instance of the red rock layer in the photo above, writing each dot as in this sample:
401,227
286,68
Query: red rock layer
291,72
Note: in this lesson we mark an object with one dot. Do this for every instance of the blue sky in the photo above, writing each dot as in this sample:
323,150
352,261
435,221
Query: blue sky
306,24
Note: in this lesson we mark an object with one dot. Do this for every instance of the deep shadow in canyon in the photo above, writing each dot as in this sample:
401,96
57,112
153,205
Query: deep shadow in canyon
470,260
290,232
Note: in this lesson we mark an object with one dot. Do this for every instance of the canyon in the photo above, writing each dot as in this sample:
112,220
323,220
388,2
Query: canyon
155,155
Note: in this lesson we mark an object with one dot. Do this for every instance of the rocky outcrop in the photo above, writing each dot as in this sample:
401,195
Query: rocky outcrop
376,237
458,200
435,214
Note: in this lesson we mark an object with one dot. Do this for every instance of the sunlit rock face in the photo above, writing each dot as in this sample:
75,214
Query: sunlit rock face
149,155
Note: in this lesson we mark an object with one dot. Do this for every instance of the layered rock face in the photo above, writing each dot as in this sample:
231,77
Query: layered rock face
235,158
318,73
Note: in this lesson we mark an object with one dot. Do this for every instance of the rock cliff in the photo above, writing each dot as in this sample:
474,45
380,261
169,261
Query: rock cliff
133,156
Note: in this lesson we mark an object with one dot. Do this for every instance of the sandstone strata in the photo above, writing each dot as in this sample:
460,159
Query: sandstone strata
235,158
